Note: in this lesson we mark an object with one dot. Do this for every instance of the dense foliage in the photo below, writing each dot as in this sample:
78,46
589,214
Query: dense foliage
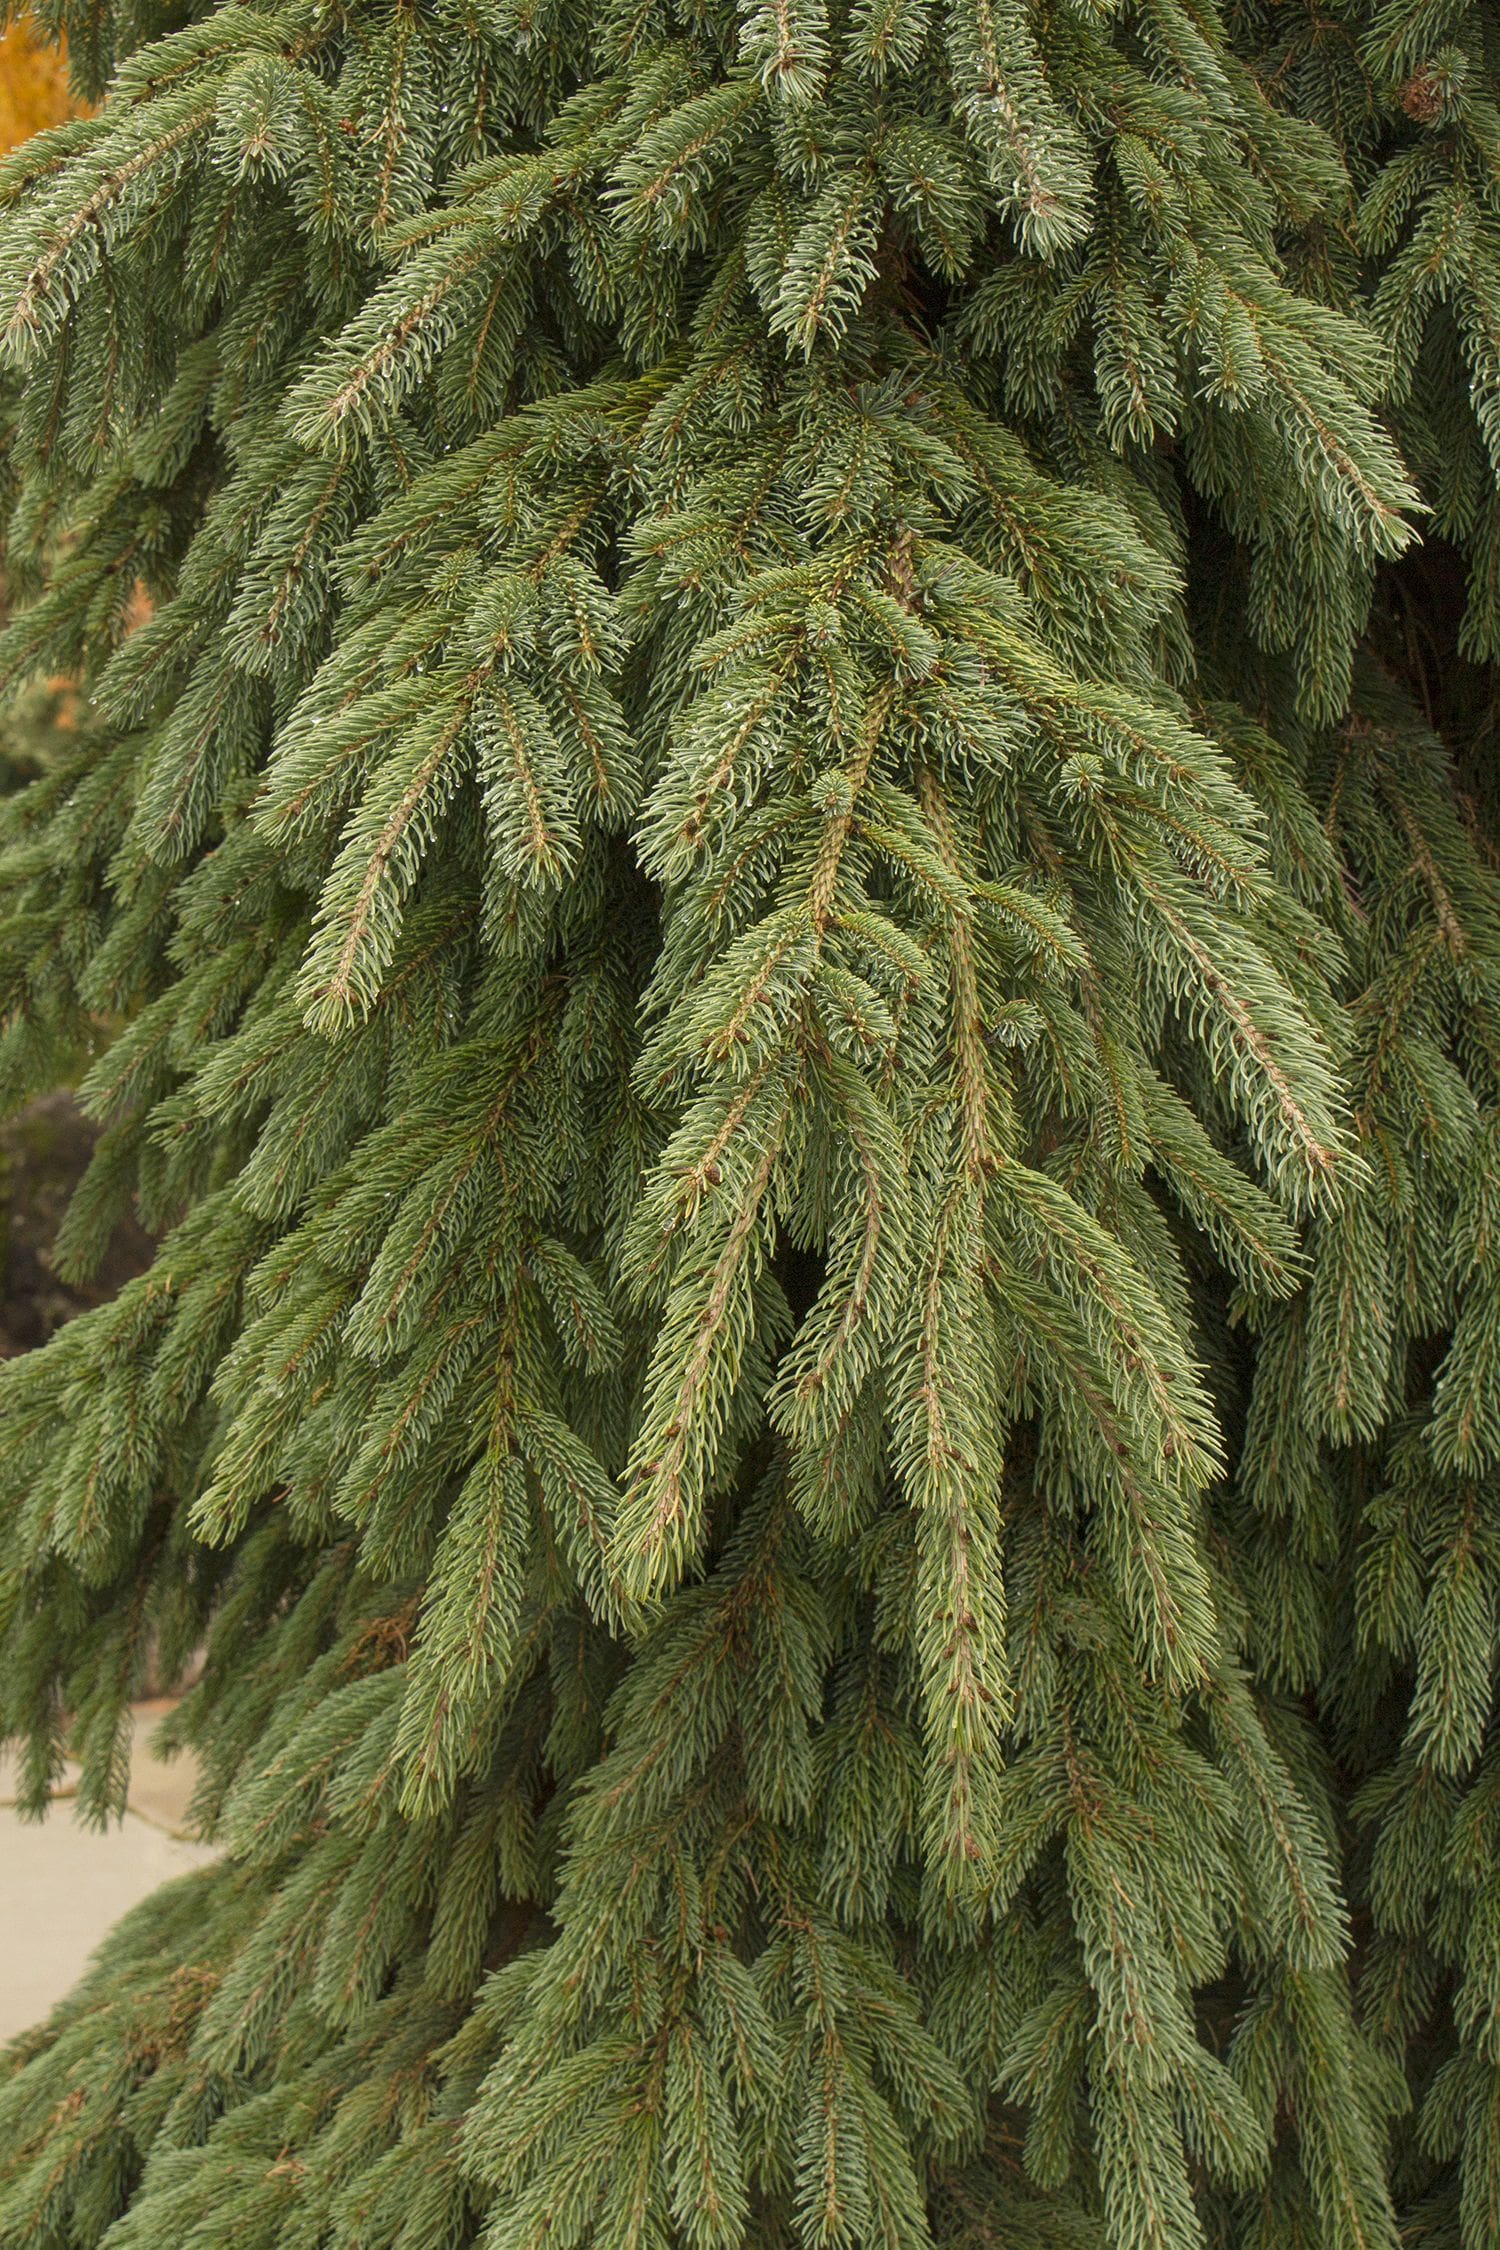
781,880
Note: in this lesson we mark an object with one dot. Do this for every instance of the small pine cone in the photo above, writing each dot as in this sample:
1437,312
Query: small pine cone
1422,97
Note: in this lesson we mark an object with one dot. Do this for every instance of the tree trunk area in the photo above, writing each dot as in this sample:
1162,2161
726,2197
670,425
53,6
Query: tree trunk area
44,1151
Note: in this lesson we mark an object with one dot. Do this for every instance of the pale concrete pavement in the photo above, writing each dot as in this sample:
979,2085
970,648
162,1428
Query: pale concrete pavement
63,1887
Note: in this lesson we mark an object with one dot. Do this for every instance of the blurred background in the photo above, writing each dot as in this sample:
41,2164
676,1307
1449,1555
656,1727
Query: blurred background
33,85
61,1885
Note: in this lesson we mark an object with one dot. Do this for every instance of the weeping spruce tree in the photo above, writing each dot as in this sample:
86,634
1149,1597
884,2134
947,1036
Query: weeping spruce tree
783,886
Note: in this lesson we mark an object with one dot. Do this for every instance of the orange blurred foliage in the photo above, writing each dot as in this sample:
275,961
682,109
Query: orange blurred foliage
34,90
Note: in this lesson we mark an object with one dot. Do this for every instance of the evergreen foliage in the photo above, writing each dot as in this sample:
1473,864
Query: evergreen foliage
787,897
